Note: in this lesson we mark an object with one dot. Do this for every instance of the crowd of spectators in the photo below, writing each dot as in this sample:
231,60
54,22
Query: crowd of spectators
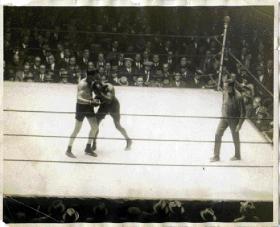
50,210
130,47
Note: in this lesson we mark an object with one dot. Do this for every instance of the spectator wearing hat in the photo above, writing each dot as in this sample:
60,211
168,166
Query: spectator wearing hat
114,79
233,116
128,71
25,74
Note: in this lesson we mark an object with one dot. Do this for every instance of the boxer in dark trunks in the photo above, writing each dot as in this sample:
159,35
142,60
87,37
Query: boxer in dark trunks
85,108
233,115
105,92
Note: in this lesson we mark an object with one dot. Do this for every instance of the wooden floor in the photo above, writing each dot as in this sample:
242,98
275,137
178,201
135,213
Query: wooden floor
169,157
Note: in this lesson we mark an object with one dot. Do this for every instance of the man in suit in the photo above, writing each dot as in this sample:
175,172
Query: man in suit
128,71
233,116
41,75
137,63
156,63
53,67
178,82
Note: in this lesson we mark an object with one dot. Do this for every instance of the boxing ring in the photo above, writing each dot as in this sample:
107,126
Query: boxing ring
173,134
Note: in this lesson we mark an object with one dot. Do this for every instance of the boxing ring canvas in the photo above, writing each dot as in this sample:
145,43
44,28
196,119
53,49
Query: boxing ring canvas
173,132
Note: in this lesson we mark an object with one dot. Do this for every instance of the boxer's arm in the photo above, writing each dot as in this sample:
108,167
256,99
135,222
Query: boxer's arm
108,94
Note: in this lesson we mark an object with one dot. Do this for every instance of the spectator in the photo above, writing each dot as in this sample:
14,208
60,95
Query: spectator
41,75
147,73
123,81
128,71
137,63
63,76
53,66
156,63
70,215
139,82
64,62
100,61
85,59
99,212
268,80
208,215
247,212
178,81
25,74
35,67
120,60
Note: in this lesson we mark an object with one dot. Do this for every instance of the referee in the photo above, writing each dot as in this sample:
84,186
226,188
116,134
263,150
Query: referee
233,115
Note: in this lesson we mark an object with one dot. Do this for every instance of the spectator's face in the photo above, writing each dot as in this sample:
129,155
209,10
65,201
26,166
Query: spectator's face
156,58
51,59
90,66
72,61
60,47
16,58
67,53
108,66
145,54
115,44
256,102
183,62
121,57
177,77
127,63
26,69
269,64
165,68
37,61
100,57
166,82
42,69
137,57
140,82
86,53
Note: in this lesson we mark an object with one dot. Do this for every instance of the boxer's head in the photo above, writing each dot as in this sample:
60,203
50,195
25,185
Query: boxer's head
229,86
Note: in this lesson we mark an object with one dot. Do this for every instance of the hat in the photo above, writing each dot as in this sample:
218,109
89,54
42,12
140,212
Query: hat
128,59
148,63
